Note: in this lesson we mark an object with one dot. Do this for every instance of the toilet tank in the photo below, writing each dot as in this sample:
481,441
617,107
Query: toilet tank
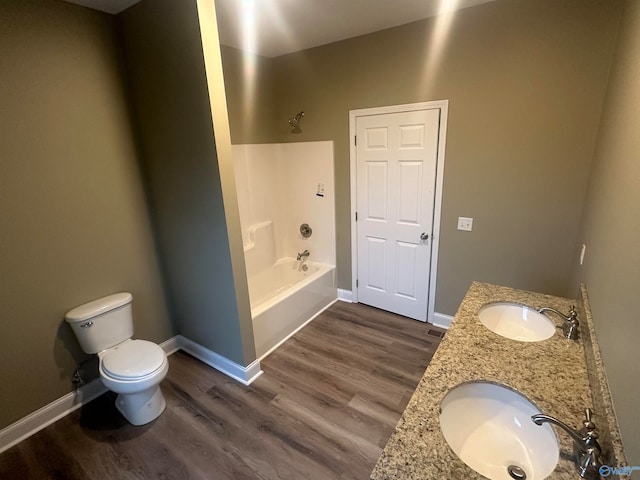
102,323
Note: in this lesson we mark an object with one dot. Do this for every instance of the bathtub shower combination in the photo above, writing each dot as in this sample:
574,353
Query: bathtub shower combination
283,189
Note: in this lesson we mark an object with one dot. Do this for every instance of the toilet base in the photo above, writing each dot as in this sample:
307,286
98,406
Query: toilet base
141,407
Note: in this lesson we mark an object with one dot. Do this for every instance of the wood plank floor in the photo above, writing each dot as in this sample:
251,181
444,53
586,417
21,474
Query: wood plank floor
324,408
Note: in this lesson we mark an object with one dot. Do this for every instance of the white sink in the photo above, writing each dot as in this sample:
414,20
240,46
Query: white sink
489,427
516,321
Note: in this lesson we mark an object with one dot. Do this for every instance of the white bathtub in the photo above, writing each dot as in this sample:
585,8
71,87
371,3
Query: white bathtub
284,298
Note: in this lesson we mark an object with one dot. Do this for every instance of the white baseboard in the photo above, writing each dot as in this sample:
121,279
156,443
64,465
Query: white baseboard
172,345
345,295
45,416
245,375
441,320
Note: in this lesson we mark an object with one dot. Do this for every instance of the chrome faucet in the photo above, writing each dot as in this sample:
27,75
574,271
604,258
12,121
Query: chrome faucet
570,326
585,441
302,255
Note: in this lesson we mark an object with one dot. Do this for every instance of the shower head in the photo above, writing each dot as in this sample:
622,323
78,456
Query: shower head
294,122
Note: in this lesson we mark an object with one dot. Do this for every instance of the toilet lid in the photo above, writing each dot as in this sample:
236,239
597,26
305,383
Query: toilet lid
133,359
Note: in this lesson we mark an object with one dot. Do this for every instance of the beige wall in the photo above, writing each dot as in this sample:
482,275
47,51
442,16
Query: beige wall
611,230
252,97
74,224
169,91
525,80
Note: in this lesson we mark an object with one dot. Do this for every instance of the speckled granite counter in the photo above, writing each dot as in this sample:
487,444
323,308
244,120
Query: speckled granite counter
552,374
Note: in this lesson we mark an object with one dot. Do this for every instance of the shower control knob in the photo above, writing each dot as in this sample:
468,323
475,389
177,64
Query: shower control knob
424,236
305,230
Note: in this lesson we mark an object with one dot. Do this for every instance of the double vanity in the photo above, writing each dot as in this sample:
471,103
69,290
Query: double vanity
500,364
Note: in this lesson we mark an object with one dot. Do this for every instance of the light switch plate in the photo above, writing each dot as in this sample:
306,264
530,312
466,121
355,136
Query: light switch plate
465,223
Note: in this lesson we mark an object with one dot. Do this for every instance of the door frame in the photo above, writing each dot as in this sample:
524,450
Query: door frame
443,105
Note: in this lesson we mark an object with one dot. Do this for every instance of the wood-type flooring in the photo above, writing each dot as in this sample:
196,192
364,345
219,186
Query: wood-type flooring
324,408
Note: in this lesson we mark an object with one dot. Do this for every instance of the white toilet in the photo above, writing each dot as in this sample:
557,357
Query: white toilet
131,368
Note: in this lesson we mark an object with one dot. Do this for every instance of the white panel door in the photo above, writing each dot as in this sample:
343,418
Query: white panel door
396,174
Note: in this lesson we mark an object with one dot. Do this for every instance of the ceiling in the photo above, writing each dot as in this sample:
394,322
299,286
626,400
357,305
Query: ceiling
108,6
286,26
279,27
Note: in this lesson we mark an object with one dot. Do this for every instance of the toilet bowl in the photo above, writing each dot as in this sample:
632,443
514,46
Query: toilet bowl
131,368
134,370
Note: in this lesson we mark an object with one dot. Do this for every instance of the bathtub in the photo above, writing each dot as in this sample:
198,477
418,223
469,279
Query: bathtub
284,298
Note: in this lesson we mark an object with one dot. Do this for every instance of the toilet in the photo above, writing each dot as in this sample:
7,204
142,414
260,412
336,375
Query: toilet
131,368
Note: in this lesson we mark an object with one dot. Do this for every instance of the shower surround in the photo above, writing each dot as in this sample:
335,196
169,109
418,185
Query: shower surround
281,186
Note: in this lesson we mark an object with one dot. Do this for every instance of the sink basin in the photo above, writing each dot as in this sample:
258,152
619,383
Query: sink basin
489,427
516,321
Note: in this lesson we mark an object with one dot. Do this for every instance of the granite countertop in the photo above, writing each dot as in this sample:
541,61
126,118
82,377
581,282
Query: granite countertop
552,374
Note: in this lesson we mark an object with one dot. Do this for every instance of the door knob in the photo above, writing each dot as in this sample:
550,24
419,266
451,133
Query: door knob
424,236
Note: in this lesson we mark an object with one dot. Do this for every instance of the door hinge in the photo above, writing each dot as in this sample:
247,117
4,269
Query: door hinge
356,216
355,140
357,282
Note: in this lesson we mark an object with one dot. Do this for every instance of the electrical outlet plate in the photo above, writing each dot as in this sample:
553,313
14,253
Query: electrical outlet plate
465,223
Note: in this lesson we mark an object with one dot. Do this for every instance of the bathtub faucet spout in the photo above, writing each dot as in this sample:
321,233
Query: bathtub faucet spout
302,255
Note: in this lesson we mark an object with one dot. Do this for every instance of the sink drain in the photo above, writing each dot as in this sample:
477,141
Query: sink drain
516,472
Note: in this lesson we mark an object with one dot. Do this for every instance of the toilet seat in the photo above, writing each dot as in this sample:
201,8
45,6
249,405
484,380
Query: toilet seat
133,359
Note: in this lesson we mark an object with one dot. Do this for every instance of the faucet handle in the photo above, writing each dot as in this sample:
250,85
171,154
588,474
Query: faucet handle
589,431
588,424
589,464
570,327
